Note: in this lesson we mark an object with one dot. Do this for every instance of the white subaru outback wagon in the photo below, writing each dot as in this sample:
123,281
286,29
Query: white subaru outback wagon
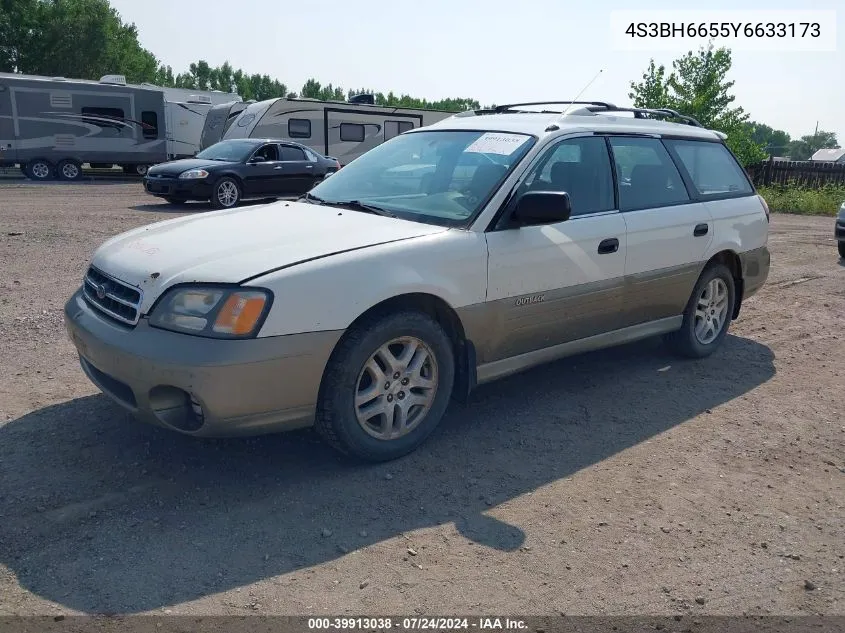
446,257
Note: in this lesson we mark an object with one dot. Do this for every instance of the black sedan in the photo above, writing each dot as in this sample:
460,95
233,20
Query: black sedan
238,169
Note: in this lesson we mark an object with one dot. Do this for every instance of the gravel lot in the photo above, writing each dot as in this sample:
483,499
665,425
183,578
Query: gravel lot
619,482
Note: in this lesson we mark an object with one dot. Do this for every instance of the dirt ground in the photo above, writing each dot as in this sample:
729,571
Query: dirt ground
619,482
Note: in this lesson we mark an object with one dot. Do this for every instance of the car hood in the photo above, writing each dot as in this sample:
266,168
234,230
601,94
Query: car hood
231,246
176,167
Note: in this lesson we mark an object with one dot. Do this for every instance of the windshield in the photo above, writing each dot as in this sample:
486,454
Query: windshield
234,151
436,177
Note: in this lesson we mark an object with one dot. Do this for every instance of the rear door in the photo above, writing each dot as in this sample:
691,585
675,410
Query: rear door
7,126
298,172
669,232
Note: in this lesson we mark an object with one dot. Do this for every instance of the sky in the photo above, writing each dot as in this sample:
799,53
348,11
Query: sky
495,51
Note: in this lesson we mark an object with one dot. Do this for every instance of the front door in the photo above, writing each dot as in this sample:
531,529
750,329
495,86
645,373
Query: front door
668,232
260,177
555,283
7,127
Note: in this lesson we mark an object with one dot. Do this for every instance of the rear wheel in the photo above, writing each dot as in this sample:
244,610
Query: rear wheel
226,193
386,387
707,315
842,249
69,169
39,169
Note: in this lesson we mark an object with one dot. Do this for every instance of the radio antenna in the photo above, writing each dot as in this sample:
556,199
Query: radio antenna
590,83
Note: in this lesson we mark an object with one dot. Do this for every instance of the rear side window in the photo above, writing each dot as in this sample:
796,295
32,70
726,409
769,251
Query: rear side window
646,174
712,168
292,153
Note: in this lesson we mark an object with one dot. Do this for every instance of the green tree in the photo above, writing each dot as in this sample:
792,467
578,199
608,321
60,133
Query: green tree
652,91
806,146
71,38
698,87
775,142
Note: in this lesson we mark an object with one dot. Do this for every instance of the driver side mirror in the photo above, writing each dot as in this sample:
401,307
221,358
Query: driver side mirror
542,207
257,159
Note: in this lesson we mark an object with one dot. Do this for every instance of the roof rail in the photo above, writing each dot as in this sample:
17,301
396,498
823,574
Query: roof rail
586,106
639,113
513,106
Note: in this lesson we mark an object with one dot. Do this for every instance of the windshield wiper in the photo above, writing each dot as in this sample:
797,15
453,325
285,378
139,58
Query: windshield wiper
357,205
310,197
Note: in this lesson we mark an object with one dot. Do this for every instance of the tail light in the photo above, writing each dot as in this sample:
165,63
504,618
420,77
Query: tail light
765,206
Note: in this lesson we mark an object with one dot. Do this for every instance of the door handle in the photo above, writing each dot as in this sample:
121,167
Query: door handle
700,229
309,167
279,167
610,245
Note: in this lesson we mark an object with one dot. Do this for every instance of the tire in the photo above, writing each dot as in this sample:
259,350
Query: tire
348,373
695,339
226,193
135,170
176,201
841,246
39,170
69,169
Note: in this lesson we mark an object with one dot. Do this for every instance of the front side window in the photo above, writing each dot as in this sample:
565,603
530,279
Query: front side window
711,167
581,168
269,152
439,177
646,174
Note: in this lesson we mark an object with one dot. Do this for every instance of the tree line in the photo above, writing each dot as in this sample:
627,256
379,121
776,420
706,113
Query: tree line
87,39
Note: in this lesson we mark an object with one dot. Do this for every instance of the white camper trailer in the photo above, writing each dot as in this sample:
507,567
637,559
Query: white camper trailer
341,129
51,126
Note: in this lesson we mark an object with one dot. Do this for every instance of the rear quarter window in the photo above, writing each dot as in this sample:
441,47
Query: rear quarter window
713,170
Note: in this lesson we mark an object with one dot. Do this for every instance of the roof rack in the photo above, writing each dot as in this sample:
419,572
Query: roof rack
587,106
514,106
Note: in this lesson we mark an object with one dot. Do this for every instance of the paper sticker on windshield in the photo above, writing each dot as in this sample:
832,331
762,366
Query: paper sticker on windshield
494,143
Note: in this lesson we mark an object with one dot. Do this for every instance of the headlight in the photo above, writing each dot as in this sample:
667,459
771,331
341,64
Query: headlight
212,311
193,174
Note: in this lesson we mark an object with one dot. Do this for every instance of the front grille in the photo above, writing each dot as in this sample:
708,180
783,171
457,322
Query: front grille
111,296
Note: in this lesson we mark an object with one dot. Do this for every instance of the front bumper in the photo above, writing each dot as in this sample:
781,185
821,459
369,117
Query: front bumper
169,187
755,269
244,387
839,231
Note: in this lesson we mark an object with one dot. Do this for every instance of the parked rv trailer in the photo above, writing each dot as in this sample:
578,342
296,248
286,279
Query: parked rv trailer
52,126
344,130
218,120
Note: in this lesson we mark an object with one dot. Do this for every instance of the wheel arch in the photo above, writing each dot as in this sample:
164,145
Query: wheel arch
730,259
443,313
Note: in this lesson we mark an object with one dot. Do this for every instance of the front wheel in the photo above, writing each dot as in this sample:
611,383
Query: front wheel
39,169
226,194
708,314
386,387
